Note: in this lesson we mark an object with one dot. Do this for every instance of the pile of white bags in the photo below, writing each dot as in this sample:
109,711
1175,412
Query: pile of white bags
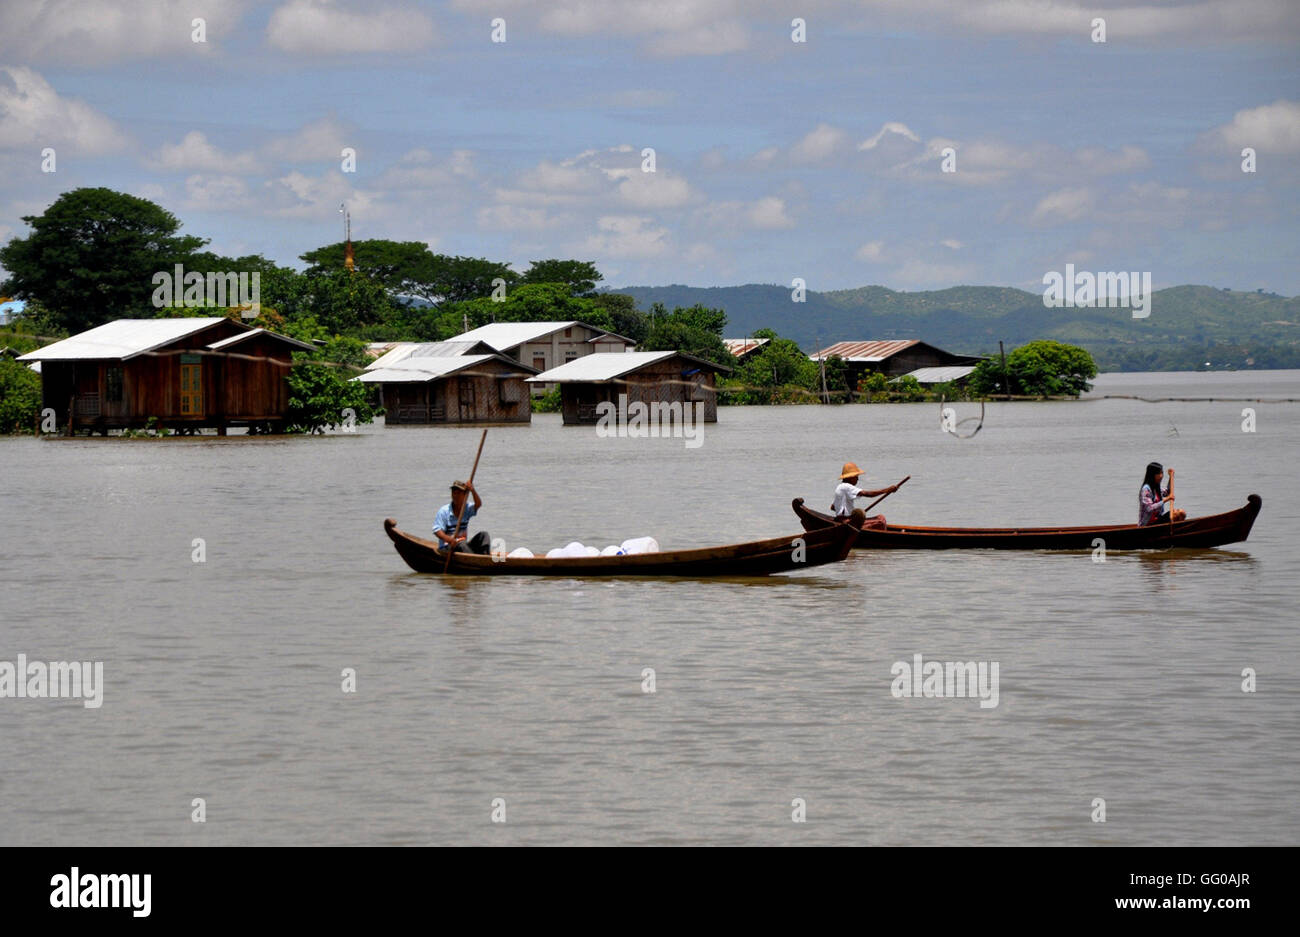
635,545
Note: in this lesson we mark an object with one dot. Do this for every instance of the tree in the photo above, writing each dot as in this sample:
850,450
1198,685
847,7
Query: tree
1038,369
343,302
695,330
92,255
580,276
20,396
629,321
457,279
527,302
778,371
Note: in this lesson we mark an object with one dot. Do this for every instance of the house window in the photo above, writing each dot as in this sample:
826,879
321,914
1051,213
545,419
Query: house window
570,356
539,362
568,333
113,385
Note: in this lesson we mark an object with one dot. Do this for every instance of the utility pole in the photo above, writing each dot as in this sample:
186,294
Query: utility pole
1006,387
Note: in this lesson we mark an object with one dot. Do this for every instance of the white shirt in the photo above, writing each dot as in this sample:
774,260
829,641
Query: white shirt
844,495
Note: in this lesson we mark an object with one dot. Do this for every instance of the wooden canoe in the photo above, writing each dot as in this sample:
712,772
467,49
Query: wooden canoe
1211,531
757,558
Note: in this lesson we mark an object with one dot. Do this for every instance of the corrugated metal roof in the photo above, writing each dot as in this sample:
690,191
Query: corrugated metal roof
244,336
123,338
506,335
419,370
940,375
864,351
601,366
400,351
740,346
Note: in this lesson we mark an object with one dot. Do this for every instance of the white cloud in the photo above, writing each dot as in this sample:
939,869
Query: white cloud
1273,128
626,236
821,142
769,213
650,190
872,251
195,152
217,193
324,27
893,128
33,114
95,32
952,244
322,139
1062,205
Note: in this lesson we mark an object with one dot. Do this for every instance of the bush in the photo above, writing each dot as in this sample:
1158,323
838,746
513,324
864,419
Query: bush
318,395
20,397
549,402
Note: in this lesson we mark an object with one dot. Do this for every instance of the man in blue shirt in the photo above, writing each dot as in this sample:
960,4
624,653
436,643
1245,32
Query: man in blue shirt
444,525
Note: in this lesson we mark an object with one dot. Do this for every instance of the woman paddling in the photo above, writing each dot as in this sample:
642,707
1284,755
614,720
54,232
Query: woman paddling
1154,501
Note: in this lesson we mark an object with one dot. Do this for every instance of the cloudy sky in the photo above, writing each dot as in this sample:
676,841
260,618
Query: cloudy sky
774,159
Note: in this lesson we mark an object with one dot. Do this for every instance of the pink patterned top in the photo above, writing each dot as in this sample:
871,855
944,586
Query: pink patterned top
1149,507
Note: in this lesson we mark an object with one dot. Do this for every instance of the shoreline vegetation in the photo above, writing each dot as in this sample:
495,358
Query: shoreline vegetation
95,255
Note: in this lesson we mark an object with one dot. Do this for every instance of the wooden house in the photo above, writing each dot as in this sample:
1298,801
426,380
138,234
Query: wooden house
651,377
185,374
891,358
544,345
457,388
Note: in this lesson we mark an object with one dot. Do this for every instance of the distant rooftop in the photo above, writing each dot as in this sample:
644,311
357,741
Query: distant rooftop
864,351
743,346
504,336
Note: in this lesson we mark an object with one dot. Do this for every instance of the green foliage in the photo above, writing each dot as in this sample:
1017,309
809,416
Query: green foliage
578,276
696,330
907,389
548,402
1039,369
779,372
528,302
343,302
20,397
91,257
319,393
628,321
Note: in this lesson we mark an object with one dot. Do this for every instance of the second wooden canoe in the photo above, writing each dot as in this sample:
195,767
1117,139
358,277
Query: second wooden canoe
1213,530
756,558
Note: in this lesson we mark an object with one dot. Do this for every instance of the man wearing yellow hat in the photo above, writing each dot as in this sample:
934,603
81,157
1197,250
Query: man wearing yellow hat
847,490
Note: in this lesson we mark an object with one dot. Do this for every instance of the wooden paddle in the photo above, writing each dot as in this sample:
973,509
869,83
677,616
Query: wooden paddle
900,485
451,548
1171,503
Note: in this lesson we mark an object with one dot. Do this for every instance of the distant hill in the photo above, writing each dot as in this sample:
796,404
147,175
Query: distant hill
1188,325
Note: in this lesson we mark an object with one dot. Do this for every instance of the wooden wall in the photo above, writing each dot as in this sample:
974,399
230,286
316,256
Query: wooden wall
477,396
240,384
661,382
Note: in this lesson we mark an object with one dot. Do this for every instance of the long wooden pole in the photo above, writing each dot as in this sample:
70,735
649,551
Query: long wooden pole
1006,386
451,548
885,495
